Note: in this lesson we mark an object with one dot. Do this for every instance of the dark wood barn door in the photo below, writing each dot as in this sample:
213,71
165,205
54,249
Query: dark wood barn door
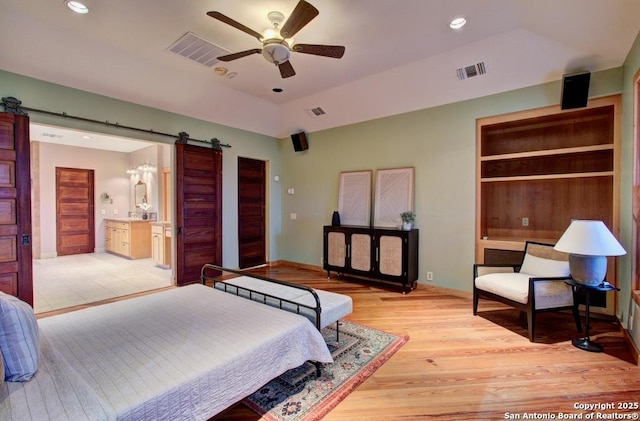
75,220
198,210
251,212
16,270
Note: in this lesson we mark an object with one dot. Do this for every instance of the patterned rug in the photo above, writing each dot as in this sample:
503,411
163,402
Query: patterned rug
298,395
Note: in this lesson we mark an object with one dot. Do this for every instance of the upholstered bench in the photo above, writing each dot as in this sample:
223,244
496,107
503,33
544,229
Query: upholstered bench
333,306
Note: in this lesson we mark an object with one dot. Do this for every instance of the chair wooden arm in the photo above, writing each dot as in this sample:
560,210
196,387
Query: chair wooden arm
550,278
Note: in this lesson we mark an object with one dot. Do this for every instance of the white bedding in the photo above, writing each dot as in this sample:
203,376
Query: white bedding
185,353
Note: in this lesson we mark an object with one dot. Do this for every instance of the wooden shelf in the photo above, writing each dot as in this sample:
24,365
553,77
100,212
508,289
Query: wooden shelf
546,153
547,177
584,127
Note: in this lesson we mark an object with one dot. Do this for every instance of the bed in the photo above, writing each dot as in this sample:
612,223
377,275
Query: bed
184,353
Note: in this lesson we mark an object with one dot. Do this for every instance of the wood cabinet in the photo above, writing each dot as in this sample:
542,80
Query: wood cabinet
384,254
539,169
161,244
128,238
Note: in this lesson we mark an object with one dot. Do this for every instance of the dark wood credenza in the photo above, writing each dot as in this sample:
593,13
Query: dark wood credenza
385,254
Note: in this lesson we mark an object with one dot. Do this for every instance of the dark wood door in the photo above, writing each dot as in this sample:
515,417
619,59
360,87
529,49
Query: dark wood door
198,210
251,212
75,220
16,270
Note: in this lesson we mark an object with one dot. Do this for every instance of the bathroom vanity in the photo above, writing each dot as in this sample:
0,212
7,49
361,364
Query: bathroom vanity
129,238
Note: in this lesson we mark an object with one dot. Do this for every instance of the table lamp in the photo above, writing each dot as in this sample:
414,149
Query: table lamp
588,244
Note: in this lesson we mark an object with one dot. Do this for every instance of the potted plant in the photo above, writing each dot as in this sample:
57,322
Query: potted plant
145,208
408,218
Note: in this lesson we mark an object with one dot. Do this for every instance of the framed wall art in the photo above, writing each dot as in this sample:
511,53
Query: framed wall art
354,200
394,195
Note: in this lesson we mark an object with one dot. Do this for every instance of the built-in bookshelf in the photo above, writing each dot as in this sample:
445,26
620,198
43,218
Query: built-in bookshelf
538,169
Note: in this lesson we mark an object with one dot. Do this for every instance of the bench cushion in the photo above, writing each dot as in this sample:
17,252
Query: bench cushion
515,286
334,306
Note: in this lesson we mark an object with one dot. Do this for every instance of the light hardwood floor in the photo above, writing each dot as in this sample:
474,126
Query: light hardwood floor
460,367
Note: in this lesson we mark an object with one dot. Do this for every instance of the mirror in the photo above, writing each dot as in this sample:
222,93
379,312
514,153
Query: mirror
140,193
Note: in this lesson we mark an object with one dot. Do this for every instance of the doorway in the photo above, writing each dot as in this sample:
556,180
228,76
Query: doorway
252,195
63,280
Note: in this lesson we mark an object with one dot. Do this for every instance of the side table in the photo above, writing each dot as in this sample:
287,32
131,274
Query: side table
586,343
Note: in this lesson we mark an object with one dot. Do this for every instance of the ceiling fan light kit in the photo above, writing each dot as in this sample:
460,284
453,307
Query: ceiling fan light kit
277,45
77,6
276,51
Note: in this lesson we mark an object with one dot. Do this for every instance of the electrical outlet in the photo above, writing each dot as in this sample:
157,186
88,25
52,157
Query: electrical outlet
525,222
115,211
429,276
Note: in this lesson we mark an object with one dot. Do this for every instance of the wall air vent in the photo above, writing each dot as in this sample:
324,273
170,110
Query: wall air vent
195,48
52,135
471,71
316,112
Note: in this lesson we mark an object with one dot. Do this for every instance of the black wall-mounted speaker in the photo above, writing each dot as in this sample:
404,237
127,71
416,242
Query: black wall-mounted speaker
575,90
300,142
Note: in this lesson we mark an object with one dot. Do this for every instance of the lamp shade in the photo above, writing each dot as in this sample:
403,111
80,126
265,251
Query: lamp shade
589,238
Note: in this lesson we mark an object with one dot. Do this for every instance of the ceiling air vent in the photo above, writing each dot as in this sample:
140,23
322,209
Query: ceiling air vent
316,112
195,48
471,71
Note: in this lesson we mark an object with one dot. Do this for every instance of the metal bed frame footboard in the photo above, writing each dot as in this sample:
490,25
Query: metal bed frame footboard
317,309
265,297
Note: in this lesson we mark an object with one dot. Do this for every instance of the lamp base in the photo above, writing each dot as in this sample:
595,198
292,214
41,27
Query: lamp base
587,344
588,270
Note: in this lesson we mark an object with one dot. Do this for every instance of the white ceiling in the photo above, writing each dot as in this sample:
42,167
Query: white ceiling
82,139
400,55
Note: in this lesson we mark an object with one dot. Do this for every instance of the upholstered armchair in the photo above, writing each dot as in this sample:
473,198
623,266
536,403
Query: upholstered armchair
534,286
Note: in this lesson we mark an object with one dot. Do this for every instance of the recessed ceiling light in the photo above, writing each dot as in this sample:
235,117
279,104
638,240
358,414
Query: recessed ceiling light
86,137
220,71
457,23
277,90
77,6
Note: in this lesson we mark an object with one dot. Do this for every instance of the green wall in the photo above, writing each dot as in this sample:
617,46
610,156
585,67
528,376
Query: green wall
41,95
440,143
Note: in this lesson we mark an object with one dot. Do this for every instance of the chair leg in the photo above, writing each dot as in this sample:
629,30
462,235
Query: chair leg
576,318
531,324
476,297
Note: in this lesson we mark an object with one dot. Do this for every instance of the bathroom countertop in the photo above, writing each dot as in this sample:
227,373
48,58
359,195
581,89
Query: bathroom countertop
128,220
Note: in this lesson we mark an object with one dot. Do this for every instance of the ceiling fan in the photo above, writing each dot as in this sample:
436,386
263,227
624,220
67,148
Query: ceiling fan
276,46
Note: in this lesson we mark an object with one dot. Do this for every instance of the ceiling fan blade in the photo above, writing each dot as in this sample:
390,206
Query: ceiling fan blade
301,15
237,25
286,69
234,56
333,51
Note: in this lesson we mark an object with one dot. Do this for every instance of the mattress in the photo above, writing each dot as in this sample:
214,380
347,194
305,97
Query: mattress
185,353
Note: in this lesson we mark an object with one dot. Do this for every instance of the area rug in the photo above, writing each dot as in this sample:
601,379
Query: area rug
299,395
